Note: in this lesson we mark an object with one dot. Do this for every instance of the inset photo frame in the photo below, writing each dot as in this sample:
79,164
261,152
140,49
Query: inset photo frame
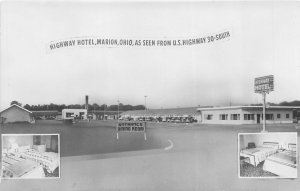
267,155
30,156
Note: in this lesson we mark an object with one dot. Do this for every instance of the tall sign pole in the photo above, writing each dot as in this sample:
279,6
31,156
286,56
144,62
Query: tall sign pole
264,111
264,85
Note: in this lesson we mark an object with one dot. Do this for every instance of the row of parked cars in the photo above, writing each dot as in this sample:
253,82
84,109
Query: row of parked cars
162,119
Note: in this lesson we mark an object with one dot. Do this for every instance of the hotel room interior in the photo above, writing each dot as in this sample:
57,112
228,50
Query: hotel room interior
268,155
30,156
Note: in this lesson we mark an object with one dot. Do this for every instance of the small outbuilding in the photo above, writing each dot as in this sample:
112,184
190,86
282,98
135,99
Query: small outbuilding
74,114
16,113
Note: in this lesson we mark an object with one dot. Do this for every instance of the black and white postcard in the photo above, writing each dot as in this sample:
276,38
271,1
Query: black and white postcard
30,156
150,95
268,155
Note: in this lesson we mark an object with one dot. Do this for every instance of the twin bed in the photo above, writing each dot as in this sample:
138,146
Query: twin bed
282,162
259,154
25,162
14,167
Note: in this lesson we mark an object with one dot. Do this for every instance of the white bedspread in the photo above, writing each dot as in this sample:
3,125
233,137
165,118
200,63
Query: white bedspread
283,164
49,160
259,154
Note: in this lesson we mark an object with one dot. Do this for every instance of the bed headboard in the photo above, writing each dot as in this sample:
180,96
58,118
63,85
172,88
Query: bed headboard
292,146
271,144
22,149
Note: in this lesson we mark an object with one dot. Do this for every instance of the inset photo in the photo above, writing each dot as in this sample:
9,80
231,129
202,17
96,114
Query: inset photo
267,155
30,156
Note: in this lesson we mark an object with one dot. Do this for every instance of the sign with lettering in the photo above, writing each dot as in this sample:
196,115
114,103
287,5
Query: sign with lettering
264,84
124,42
131,126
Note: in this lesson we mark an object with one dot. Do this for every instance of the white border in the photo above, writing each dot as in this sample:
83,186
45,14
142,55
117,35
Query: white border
46,178
266,177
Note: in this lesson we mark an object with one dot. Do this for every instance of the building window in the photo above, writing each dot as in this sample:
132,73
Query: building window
248,116
208,117
235,117
269,116
278,116
223,116
69,114
287,116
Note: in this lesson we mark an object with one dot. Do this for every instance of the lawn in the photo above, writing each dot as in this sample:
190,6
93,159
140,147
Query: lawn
85,138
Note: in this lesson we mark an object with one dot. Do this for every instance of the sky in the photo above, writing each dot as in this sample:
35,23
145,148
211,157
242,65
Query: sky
264,40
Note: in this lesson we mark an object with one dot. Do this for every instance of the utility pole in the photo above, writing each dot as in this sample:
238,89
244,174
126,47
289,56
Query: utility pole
118,109
118,121
145,107
145,135
104,106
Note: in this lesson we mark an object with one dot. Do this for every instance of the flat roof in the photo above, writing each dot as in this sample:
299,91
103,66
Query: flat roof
45,111
169,111
248,107
72,109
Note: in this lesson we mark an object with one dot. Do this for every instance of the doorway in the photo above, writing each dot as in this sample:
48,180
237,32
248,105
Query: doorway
37,139
54,143
258,119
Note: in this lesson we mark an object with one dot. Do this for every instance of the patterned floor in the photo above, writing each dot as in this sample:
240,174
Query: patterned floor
55,173
248,170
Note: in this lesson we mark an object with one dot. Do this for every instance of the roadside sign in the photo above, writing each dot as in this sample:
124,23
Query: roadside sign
264,84
131,127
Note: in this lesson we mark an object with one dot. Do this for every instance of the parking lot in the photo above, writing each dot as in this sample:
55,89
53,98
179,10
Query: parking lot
174,157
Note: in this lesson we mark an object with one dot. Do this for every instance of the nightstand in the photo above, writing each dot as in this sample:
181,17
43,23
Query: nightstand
40,148
280,150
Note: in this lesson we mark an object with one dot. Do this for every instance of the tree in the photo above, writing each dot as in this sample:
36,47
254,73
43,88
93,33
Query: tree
139,107
113,108
103,107
27,107
16,102
127,108
52,106
95,107
293,103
